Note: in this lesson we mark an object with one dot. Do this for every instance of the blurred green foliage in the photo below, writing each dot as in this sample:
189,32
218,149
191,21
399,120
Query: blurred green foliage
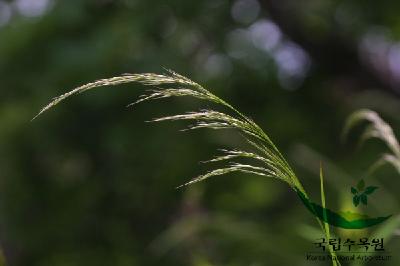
91,184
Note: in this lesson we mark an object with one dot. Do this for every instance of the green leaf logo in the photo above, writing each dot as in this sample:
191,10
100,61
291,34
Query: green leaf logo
356,200
370,190
361,185
361,193
364,199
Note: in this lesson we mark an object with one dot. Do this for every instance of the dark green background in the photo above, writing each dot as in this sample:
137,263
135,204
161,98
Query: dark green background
90,183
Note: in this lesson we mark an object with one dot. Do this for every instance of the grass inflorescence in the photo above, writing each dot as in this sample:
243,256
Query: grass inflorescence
376,128
266,159
273,164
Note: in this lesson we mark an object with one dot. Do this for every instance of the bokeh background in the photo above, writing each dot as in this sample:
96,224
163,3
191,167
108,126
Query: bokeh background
90,183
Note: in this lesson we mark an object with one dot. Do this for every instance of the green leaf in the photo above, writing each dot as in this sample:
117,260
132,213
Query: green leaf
361,185
369,190
354,190
364,199
356,200
325,225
